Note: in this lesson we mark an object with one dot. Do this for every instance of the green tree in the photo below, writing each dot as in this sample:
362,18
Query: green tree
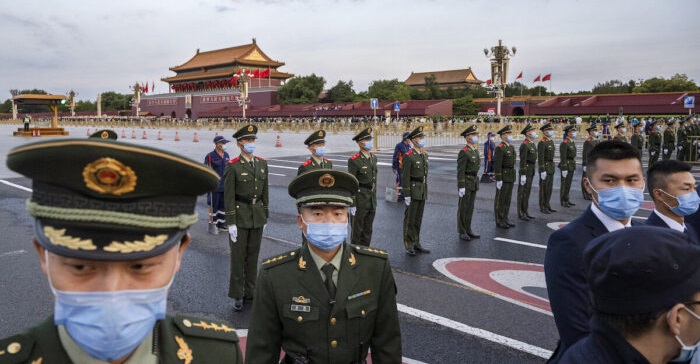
6,107
516,89
432,88
389,90
341,92
464,106
85,105
612,87
301,90
115,101
677,82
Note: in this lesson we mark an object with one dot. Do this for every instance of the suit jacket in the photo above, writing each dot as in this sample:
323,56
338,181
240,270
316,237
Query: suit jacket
655,220
292,310
603,346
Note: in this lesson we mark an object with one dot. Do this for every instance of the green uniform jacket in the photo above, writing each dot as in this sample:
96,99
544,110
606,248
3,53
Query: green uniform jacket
620,137
365,170
669,139
655,141
504,162
545,155
588,145
292,311
468,165
682,137
246,193
175,339
637,141
567,154
414,176
312,164
528,158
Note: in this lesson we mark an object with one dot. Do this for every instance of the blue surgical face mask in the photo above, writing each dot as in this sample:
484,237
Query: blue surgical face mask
573,136
509,138
550,133
326,236
249,148
687,203
474,139
320,151
619,202
658,127
595,134
109,325
687,352
623,130
533,135
369,145
421,143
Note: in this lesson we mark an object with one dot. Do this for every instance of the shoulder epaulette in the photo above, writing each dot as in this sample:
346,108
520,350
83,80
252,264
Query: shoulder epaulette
308,161
501,145
566,140
465,148
526,141
16,349
409,152
192,326
589,139
326,159
355,156
370,251
260,158
543,140
279,259
234,160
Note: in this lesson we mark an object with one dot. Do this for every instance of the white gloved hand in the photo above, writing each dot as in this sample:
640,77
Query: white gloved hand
564,173
233,232
499,184
695,142
653,153
352,210
680,147
584,169
462,191
665,151
407,200
523,179
543,175
264,226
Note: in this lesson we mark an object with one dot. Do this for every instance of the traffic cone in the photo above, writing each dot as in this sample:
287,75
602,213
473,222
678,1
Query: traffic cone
279,142
38,132
177,136
196,137
123,134
160,136
33,132
133,134
144,135
88,132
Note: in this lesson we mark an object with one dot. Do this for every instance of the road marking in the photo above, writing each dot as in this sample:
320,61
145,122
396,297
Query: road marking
276,174
469,330
13,253
283,167
16,186
521,243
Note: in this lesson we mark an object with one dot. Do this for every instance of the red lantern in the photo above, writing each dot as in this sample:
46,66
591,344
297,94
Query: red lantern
208,84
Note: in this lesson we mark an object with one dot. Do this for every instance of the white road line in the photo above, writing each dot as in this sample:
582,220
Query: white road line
13,253
276,174
283,167
521,243
16,186
469,330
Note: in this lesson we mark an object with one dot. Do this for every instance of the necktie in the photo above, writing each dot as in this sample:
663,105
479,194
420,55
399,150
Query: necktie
330,286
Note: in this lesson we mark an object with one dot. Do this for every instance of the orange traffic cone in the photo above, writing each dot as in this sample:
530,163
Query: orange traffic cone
123,134
160,136
196,137
279,142
144,135
88,132
38,132
177,136
33,132
133,134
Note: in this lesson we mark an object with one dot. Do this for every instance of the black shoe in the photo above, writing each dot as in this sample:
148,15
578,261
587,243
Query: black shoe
474,236
238,305
524,218
503,225
465,237
530,217
510,224
571,204
545,211
247,298
420,249
411,252
552,210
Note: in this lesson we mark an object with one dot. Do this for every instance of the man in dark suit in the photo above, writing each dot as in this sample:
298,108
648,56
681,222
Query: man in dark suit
615,179
672,188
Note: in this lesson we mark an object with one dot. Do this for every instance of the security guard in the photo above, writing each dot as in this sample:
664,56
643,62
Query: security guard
217,160
110,266
504,167
654,143
414,179
669,144
363,166
637,139
567,164
621,132
545,159
468,165
316,143
528,160
683,144
693,134
328,301
588,145
246,195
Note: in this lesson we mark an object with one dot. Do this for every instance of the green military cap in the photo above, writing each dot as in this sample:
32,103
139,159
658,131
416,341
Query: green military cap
100,199
321,187
470,130
505,129
416,133
619,124
592,128
363,134
670,121
547,126
247,132
527,128
569,128
316,137
104,134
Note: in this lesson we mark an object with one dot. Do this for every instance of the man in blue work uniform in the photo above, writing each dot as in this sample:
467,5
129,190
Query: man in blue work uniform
217,160
397,160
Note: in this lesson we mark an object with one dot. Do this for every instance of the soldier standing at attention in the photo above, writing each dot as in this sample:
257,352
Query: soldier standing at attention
363,166
528,160
545,159
588,145
654,144
327,301
414,180
567,164
246,194
682,137
637,139
397,160
317,146
110,266
217,160
468,165
504,168
621,132
669,140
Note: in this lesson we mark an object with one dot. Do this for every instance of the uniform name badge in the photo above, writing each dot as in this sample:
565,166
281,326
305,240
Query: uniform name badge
301,308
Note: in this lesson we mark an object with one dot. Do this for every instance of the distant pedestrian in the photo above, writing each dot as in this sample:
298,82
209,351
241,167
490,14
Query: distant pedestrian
27,120
489,149
217,160
397,160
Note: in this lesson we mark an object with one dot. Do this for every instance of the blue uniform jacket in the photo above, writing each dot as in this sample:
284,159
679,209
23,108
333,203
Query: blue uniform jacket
218,164
602,346
655,220
399,152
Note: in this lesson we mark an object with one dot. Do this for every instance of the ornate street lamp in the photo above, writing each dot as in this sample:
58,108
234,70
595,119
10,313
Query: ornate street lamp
500,57
243,79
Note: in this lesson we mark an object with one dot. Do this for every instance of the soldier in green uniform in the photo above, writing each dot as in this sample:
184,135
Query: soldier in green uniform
637,139
328,301
567,164
468,165
654,143
246,201
588,145
621,130
110,266
363,166
683,144
414,181
316,143
528,160
545,161
504,168
669,143
693,134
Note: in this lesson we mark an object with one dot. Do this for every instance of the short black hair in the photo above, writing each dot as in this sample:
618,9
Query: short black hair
629,326
611,150
657,174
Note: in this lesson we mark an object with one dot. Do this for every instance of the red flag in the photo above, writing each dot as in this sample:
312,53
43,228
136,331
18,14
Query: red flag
153,86
547,77
520,75
265,73
537,79
145,88
256,74
488,82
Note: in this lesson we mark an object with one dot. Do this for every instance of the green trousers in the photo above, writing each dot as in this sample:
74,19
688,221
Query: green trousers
412,219
465,212
524,194
565,187
244,262
501,204
362,226
546,186
653,158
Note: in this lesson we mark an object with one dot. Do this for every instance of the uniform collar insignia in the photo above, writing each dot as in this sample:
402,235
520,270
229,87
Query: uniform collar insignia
184,353
302,263
352,259
301,300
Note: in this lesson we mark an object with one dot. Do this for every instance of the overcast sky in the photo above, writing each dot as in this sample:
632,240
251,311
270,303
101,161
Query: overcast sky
94,46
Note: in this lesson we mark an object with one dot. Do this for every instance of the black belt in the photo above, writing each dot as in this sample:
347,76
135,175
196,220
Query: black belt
530,163
369,186
418,179
244,199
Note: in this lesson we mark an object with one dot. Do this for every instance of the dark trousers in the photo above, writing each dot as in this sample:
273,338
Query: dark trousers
524,195
362,226
653,158
680,155
565,187
26,126
501,205
412,219
465,212
218,209
666,156
244,262
546,186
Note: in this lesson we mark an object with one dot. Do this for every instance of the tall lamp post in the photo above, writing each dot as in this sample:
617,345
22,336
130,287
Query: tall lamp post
243,80
500,57
137,97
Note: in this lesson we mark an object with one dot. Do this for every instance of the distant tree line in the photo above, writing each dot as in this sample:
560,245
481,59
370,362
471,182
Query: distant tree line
110,101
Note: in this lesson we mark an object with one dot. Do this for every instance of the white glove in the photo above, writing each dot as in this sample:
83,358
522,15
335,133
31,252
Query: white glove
680,147
653,153
523,179
564,173
695,142
584,169
665,151
499,184
264,226
462,191
233,232
407,200
352,210
543,175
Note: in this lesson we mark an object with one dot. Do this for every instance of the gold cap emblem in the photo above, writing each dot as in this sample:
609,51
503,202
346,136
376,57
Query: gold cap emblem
104,135
109,176
420,128
320,133
326,180
250,128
